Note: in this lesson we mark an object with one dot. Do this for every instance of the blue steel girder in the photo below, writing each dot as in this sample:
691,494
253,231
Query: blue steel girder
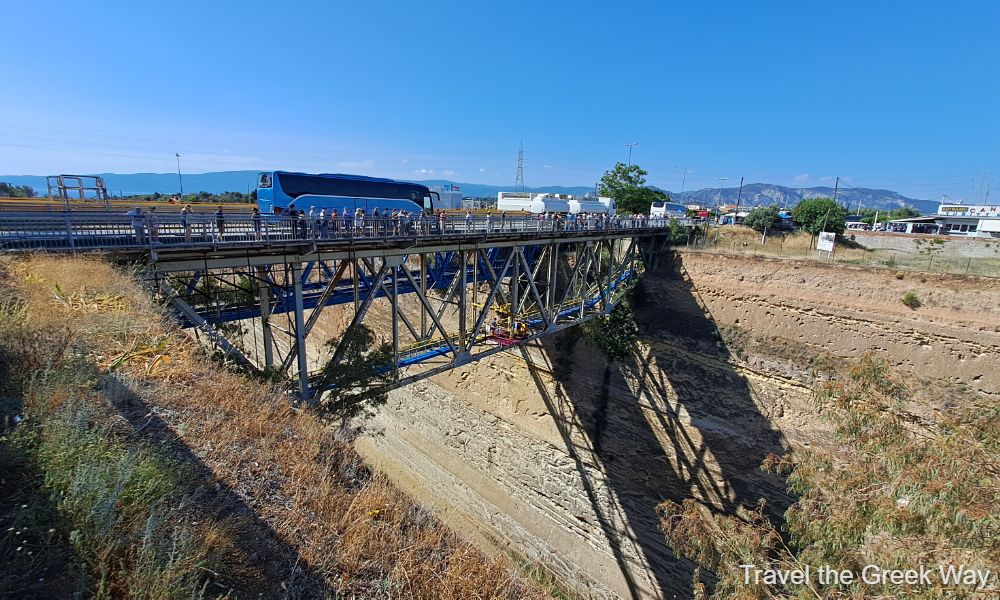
489,298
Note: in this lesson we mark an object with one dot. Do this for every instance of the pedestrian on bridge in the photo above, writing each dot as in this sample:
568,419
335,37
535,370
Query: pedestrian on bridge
138,224
335,222
503,221
255,218
468,221
303,225
220,224
489,221
186,222
324,225
153,225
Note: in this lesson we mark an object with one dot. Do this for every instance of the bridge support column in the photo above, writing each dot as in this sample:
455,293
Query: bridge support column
395,263
300,334
462,295
553,278
264,296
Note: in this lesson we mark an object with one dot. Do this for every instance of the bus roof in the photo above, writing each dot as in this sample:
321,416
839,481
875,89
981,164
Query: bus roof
346,177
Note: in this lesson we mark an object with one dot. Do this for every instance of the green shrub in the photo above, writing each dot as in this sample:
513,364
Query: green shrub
911,300
615,333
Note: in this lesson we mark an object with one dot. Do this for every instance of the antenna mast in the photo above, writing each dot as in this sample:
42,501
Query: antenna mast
519,181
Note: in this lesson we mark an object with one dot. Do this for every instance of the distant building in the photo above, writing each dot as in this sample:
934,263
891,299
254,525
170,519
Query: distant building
969,220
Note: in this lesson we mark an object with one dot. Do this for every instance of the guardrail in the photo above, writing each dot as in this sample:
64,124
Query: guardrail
96,232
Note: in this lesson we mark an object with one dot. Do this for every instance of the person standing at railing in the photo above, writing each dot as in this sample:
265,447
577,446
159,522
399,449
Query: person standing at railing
503,221
186,222
255,218
442,221
311,222
394,221
293,216
153,225
303,225
468,221
220,224
489,221
335,222
324,225
138,224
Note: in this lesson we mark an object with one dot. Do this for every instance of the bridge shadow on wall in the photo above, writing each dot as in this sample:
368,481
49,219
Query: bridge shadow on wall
675,420
261,564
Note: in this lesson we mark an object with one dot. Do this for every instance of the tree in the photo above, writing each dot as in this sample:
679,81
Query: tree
762,218
627,185
357,383
904,212
16,191
621,178
820,214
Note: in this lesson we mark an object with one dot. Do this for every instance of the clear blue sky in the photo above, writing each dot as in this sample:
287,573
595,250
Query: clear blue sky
902,95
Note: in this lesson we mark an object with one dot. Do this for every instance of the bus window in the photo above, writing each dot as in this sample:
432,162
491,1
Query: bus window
427,203
265,180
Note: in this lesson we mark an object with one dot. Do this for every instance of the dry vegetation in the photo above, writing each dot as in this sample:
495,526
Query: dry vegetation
143,469
745,241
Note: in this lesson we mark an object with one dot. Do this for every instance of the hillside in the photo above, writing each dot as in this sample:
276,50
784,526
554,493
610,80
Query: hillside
763,194
754,194
134,466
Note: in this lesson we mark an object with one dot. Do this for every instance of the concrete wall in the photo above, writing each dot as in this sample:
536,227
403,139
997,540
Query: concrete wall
954,247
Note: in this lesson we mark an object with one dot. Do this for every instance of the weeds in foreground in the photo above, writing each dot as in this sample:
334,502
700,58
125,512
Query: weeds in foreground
186,480
900,492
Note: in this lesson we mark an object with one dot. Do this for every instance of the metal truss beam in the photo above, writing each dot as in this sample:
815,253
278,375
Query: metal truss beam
467,301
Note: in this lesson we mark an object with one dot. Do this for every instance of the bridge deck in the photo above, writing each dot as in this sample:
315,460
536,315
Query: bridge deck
166,236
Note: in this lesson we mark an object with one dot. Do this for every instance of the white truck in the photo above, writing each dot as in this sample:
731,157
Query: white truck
553,203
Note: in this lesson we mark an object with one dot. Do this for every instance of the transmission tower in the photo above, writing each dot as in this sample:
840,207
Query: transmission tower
519,180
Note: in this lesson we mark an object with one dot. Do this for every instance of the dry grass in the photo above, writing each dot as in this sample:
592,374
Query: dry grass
291,504
745,241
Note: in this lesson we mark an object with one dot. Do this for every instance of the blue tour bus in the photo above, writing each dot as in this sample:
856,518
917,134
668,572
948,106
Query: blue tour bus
277,190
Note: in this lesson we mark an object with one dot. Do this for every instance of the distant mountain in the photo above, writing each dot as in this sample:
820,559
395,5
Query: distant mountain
763,194
479,190
754,194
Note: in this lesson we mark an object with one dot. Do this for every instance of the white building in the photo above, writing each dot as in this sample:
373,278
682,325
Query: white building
968,220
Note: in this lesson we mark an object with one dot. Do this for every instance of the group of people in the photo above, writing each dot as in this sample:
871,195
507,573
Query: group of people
360,223
146,224
357,223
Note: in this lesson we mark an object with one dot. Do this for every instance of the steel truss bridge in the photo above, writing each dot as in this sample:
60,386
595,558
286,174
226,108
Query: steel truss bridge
440,294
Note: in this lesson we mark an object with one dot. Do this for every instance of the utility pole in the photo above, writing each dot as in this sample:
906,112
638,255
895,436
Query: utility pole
739,197
836,188
629,146
180,181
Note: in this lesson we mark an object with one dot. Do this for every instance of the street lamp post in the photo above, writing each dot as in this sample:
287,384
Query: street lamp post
629,146
180,181
684,178
720,179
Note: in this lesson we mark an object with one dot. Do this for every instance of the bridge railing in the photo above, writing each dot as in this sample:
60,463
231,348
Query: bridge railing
86,231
